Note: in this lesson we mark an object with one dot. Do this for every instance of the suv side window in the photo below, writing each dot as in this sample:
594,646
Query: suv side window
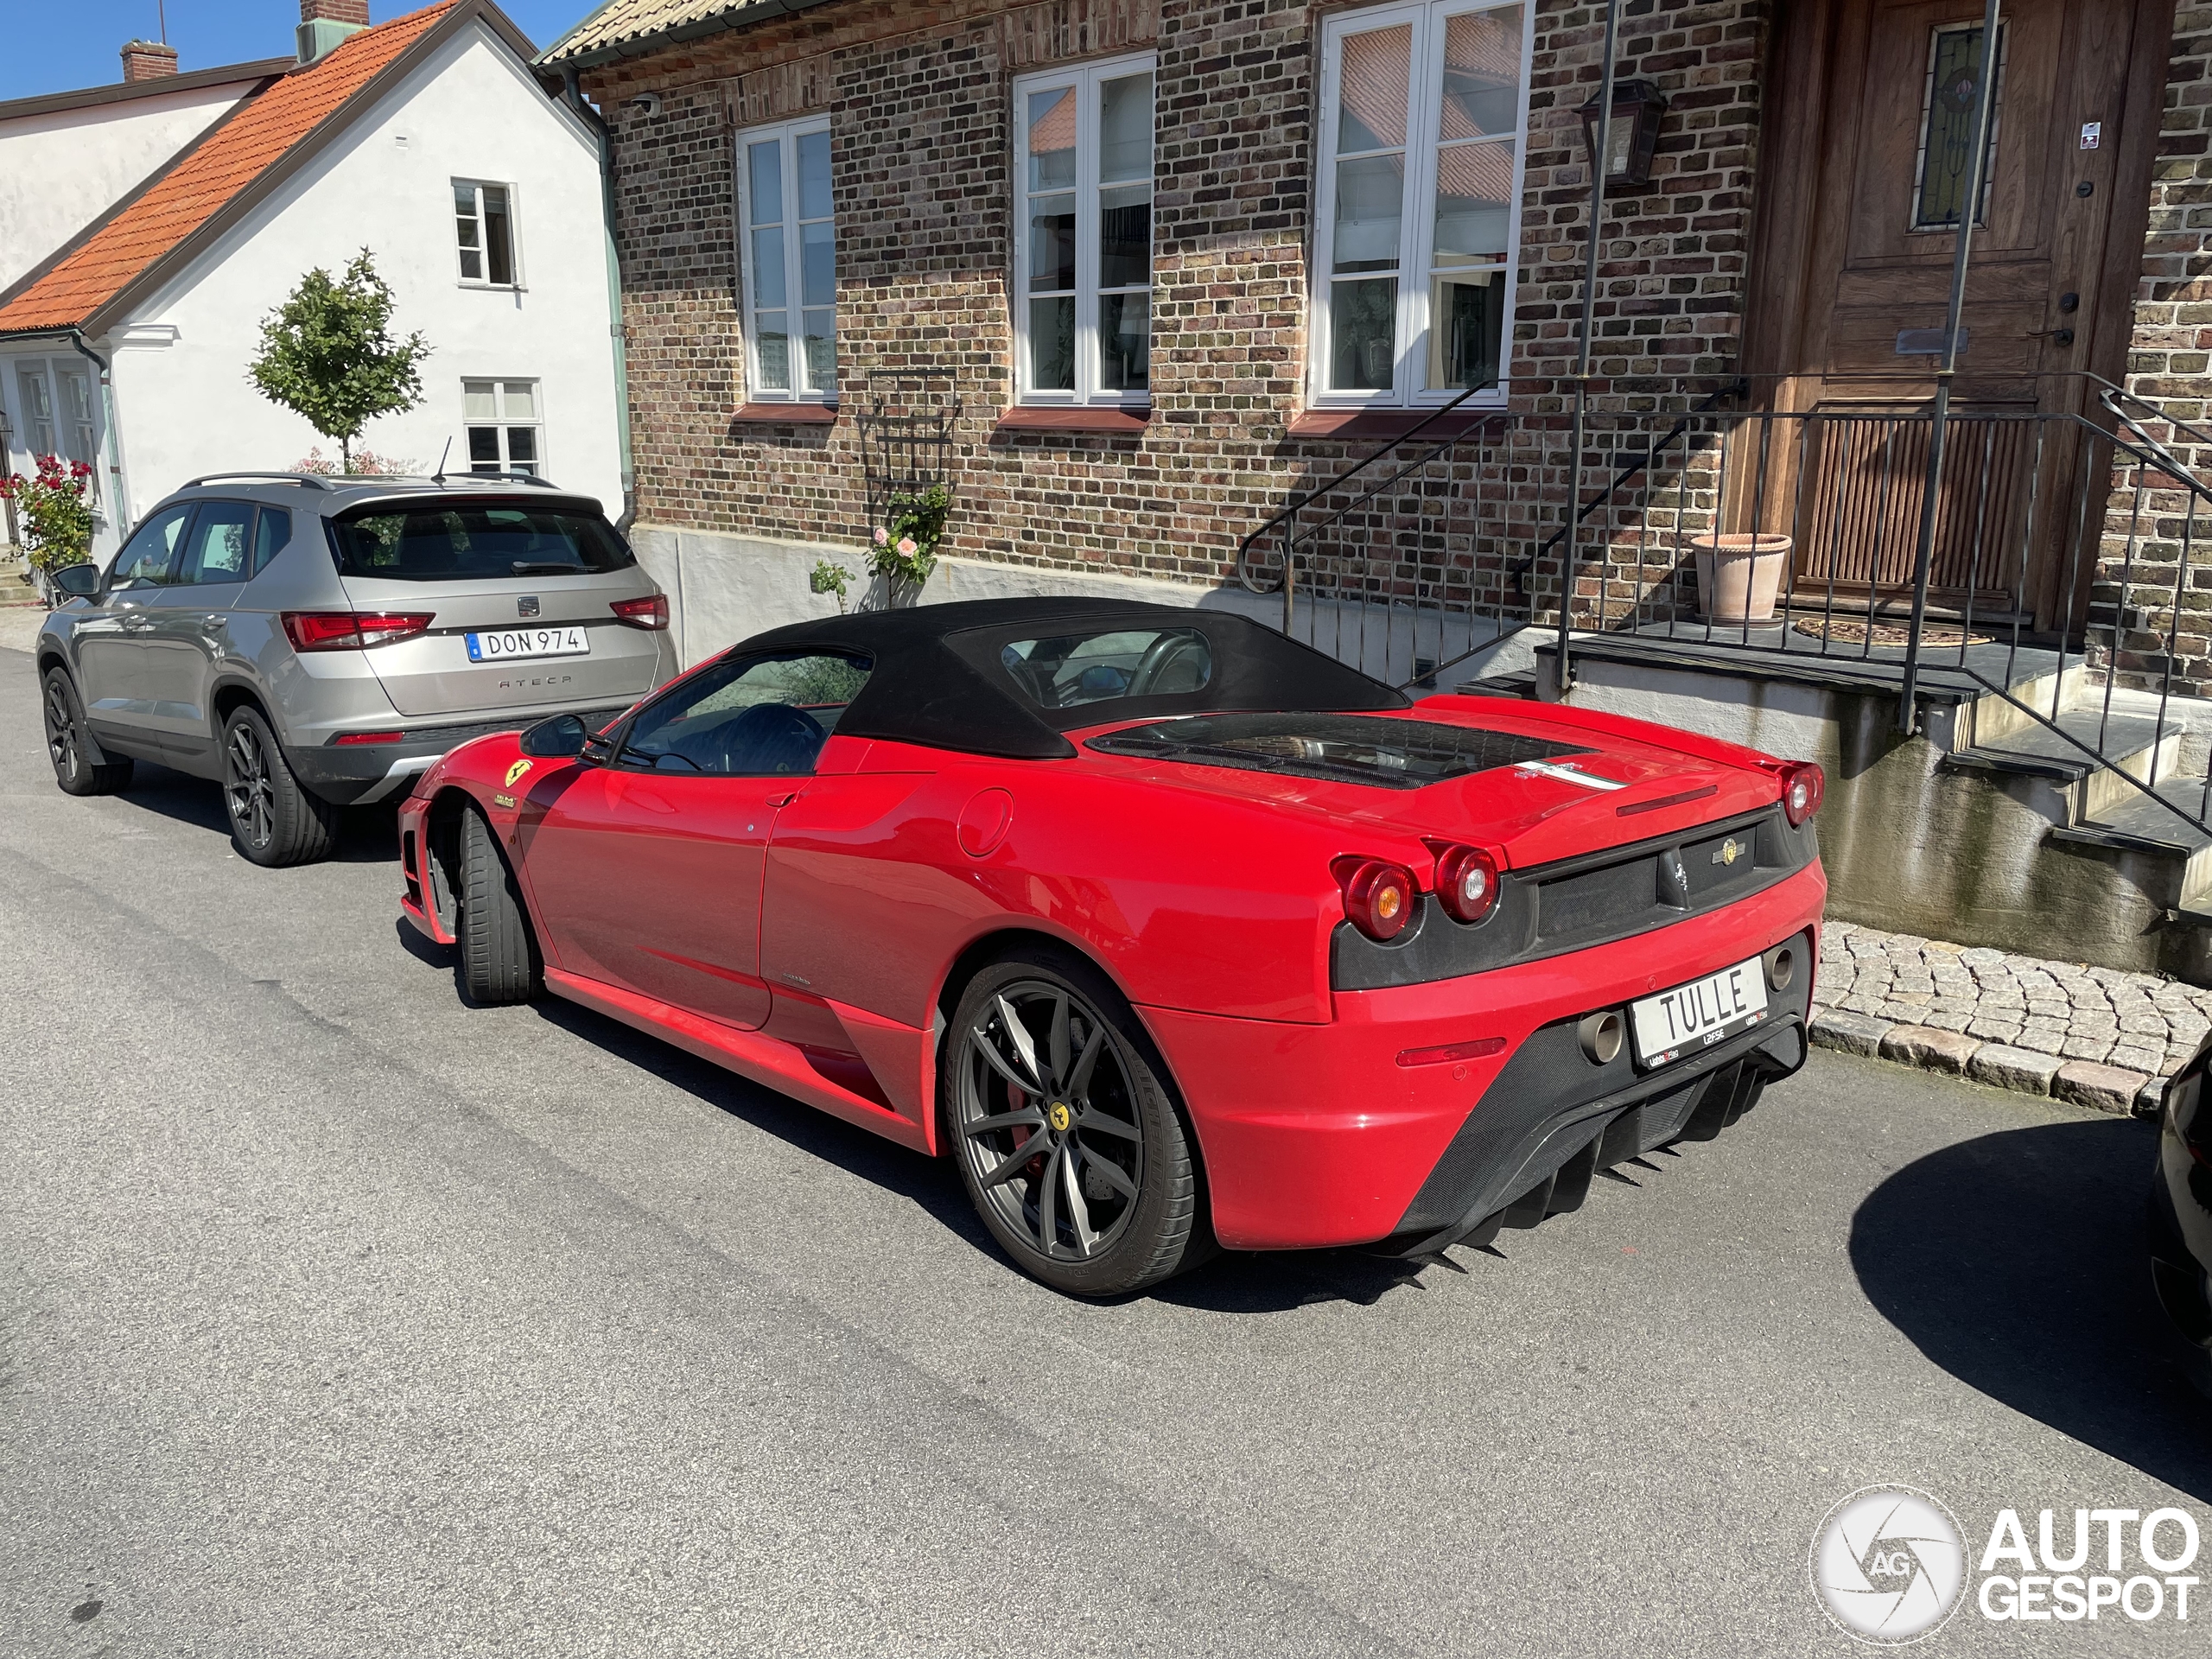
273,532
149,557
216,548
748,717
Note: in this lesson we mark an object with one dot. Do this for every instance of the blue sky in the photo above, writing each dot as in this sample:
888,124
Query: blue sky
55,48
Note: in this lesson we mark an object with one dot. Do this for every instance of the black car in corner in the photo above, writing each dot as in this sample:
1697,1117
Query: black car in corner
2181,1203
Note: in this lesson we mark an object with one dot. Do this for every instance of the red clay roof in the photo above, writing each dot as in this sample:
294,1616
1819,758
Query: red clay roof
207,179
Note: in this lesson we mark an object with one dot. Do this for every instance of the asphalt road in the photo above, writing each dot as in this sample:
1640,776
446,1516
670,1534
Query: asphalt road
336,1317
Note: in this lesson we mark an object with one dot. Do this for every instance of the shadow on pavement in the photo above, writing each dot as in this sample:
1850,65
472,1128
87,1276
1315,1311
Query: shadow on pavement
2016,1263
367,835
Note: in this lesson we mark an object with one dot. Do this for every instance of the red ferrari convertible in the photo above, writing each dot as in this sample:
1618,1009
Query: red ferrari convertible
1170,931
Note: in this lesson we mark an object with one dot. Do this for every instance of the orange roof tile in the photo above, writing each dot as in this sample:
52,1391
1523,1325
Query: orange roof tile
208,178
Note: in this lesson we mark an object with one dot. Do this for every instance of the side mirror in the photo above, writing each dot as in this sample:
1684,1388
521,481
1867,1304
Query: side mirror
559,738
78,581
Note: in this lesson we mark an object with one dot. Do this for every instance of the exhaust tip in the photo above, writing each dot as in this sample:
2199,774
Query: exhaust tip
1781,967
1601,1035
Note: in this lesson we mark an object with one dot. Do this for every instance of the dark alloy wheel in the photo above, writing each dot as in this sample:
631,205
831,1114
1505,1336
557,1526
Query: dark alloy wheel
69,746
1068,1139
273,820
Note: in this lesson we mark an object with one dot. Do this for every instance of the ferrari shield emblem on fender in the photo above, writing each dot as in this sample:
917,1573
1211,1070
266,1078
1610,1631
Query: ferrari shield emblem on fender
517,770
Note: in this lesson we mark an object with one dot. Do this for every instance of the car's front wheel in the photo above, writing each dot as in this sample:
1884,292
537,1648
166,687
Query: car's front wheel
69,746
499,959
1066,1130
274,820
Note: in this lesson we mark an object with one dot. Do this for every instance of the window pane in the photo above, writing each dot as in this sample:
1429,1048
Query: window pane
218,548
1474,203
77,413
775,352
147,557
1051,243
1052,344
522,449
821,350
1052,139
764,200
478,400
1466,326
483,448
817,265
1125,236
1953,98
768,267
1124,341
1363,333
1371,90
269,537
521,400
1125,129
38,412
813,176
1370,205
499,239
1482,73
750,717
472,261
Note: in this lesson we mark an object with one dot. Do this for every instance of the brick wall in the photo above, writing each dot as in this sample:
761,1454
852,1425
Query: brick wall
918,101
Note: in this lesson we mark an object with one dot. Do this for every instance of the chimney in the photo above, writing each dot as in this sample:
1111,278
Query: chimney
147,60
323,23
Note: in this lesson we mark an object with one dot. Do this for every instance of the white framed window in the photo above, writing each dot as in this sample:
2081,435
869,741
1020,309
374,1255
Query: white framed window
1083,234
1423,116
484,233
788,232
41,435
506,422
57,398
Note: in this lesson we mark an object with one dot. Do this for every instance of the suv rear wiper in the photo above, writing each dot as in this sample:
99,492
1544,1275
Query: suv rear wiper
544,567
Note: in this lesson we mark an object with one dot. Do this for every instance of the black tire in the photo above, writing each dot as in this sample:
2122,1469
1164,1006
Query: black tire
68,744
499,959
1112,1199
275,821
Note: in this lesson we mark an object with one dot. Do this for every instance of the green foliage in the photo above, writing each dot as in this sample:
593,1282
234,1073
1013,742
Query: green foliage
905,548
327,354
827,578
57,519
825,680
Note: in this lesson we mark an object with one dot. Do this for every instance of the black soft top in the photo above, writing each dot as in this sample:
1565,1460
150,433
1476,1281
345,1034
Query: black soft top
937,679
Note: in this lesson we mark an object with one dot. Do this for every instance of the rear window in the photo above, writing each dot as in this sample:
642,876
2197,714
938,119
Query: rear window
461,541
1336,748
1070,670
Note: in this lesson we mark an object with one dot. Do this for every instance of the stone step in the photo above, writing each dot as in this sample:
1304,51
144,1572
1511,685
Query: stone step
1991,717
2128,743
2138,824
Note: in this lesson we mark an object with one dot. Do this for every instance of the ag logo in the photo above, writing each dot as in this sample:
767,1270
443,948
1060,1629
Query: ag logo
1888,1564
517,770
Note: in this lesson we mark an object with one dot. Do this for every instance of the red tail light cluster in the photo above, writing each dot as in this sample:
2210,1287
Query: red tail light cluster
1802,786
1466,883
651,613
1378,896
353,630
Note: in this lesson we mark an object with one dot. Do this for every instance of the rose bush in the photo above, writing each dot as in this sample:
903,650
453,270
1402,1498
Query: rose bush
57,519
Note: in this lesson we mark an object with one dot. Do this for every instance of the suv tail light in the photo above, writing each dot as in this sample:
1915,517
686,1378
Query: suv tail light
1378,896
1802,786
642,613
1466,883
353,630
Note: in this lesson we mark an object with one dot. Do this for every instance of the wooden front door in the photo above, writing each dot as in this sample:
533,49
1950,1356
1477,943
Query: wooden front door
1863,183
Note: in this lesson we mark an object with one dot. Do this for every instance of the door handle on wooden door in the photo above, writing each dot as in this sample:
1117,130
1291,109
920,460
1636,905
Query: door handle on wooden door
2058,336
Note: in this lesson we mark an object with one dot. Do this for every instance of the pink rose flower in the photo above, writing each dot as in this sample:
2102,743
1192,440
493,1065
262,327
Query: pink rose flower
907,548
882,536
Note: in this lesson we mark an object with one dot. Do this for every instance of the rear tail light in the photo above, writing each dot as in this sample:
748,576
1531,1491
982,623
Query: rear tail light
344,739
1378,897
651,612
1466,883
353,630
1802,786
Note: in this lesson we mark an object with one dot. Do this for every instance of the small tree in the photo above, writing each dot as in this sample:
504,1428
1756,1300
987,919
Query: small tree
327,354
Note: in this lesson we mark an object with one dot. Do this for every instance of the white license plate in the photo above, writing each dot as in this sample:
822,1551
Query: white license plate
1694,1017
520,645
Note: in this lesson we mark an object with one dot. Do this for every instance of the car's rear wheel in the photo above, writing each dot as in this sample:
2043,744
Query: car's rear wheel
274,820
69,746
499,959
1066,1129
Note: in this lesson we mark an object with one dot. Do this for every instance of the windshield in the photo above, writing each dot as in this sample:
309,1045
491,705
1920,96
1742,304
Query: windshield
463,541
1336,748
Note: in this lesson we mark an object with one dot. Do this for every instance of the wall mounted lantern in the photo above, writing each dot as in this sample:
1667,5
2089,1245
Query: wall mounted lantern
1637,105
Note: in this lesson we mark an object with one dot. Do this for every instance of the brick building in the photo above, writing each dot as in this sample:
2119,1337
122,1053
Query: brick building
1179,261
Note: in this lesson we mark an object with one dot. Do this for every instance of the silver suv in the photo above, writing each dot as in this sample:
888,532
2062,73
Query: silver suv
312,642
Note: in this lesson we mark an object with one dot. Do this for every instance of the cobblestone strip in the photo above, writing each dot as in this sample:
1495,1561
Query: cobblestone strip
2094,1036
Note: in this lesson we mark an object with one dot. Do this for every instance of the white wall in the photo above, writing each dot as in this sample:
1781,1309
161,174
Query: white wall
60,171
184,404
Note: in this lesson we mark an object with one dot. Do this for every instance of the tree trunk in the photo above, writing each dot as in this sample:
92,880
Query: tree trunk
344,455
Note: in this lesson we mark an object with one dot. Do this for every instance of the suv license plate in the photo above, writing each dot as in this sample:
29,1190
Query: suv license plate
518,645
1694,1017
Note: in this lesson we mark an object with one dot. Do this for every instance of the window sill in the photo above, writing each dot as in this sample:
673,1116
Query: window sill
1068,417
1386,422
787,414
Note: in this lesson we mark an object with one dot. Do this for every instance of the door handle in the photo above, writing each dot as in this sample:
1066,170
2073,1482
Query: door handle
2056,336
782,800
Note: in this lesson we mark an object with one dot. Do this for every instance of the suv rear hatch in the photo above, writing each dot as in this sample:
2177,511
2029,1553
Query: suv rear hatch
522,590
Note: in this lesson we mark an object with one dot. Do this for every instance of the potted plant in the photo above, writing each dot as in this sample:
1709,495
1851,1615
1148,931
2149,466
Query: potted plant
57,519
1738,575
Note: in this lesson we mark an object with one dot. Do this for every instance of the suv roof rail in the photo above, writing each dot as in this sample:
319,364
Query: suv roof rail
519,478
309,481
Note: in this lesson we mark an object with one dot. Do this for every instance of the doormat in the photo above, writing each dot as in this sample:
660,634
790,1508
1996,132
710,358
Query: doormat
1852,631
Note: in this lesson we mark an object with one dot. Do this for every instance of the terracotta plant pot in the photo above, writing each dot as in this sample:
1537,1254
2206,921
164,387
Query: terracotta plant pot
1737,577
